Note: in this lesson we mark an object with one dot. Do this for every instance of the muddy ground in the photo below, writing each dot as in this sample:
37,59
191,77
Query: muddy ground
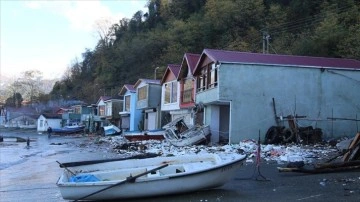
30,174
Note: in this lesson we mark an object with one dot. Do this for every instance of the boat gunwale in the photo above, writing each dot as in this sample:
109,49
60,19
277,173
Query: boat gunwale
155,178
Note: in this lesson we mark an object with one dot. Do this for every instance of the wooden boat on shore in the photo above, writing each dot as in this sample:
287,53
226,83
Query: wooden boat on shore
135,178
144,135
179,134
111,130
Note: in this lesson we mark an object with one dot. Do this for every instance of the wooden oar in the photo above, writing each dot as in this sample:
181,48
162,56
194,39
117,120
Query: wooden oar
62,166
81,163
128,179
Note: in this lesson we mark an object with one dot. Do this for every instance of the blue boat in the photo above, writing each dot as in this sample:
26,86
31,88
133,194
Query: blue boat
70,129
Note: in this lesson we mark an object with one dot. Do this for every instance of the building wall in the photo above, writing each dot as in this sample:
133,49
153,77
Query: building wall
315,93
154,96
318,94
133,119
54,123
187,114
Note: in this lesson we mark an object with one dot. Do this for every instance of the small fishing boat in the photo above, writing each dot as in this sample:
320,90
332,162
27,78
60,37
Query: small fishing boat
111,130
69,129
137,178
144,135
179,134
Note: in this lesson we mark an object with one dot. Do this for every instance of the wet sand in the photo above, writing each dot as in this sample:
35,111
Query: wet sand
30,175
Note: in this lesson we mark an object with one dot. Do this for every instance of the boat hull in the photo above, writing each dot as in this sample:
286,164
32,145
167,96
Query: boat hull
199,136
197,179
68,130
111,130
133,136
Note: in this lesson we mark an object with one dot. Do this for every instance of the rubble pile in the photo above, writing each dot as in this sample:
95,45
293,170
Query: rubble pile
270,152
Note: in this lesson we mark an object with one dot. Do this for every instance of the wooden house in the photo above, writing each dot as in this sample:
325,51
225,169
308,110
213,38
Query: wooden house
246,93
148,93
48,120
130,116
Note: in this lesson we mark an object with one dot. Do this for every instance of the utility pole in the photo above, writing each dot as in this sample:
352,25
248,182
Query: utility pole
155,72
266,43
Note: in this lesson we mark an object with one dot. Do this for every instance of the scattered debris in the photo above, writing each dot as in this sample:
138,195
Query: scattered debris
282,135
350,161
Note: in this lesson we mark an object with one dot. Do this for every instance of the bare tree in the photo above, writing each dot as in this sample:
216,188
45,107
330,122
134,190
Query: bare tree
105,32
30,84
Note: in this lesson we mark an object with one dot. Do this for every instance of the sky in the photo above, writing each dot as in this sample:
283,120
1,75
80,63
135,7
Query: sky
48,35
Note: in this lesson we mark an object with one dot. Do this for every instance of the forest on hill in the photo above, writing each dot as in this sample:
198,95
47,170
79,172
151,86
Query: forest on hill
133,48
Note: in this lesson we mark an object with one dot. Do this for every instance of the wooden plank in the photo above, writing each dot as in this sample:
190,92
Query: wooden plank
319,171
355,153
337,164
352,146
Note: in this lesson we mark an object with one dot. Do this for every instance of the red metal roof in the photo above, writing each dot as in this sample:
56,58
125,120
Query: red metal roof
192,60
174,68
223,56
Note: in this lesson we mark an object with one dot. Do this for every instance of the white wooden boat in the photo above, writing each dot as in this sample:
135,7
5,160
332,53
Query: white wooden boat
179,134
137,178
134,136
111,130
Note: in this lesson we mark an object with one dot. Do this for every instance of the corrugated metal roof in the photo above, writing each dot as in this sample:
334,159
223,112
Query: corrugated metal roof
127,87
192,60
147,81
174,68
224,56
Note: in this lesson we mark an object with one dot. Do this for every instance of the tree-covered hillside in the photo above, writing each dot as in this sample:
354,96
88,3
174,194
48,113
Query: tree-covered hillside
133,48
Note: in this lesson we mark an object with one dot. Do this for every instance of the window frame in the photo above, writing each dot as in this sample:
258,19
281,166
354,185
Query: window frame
187,95
170,92
208,77
127,104
142,93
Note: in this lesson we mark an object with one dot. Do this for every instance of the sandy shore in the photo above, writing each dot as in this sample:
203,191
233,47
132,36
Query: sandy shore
30,175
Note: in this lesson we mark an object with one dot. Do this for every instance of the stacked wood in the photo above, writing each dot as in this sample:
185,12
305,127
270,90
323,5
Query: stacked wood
353,152
350,161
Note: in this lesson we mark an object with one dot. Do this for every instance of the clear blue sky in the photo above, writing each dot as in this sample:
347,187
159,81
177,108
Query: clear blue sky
48,35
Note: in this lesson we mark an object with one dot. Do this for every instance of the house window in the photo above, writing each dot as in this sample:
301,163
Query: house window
102,110
208,77
187,94
170,92
142,93
108,109
127,103
77,110
213,75
201,82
